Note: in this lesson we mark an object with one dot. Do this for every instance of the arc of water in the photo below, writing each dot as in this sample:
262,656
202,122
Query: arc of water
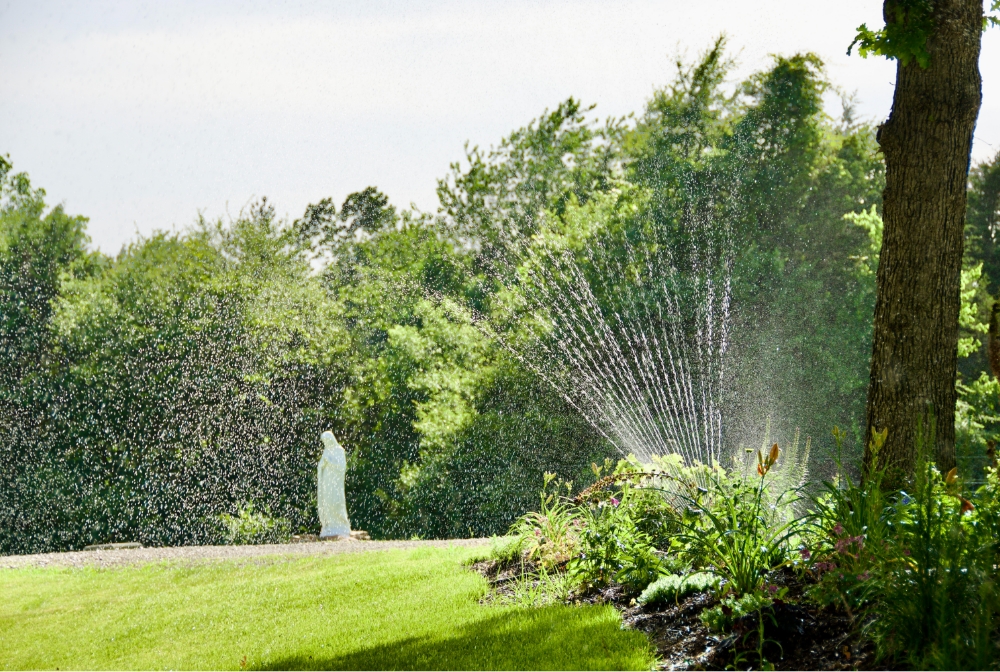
639,372
592,368
581,409
684,381
676,374
654,388
656,437
622,388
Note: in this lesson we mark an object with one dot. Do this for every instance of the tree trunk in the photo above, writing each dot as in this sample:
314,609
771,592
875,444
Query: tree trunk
927,142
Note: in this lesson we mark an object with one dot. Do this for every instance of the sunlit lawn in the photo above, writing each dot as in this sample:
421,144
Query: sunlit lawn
376,610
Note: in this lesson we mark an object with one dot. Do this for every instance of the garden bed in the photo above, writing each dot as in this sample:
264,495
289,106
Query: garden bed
798,635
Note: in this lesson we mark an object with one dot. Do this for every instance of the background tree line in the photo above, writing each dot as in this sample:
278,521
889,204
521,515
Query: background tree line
144,395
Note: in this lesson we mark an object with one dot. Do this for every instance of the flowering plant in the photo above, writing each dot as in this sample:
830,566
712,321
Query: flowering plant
734,529
551,535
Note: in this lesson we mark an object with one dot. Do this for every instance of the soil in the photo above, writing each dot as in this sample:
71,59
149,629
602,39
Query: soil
194,554
800,636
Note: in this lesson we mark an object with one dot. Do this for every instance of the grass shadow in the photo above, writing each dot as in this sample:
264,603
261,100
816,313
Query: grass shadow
550,638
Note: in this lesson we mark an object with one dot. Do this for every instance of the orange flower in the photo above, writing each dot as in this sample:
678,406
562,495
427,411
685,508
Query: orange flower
772,457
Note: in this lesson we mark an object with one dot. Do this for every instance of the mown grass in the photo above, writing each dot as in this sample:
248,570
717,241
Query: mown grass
378,610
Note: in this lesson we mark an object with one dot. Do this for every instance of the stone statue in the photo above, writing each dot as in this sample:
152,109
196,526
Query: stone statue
330,498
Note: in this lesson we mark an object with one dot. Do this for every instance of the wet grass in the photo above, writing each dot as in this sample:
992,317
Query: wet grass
378,610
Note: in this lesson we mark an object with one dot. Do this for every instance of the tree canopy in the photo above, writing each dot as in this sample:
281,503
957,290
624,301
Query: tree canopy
189,376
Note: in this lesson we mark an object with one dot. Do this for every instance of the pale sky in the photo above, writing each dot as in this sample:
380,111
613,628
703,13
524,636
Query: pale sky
140,115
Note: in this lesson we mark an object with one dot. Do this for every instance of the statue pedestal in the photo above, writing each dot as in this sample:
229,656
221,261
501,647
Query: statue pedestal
356,535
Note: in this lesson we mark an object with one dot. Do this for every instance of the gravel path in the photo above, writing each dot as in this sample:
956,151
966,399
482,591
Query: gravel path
186,554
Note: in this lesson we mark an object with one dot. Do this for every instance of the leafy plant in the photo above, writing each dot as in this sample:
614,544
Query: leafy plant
539,589
904,37
675,587
612,548
551,535
938,603
737,530
848,532
977,424
643,492
250,526
790,472
762,663
721,617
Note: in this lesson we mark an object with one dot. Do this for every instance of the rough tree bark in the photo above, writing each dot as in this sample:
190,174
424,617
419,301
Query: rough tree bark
926,142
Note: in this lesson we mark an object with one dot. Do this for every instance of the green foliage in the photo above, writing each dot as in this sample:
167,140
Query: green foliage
250,526
938,605
596,539
508,550
871,223
501,194
859,507
909,23
446,434
721,617
675,587
37,250
976,407
977,424
736,527
613,549
149,393
193,371
968,316
768,167
982,222
975,418
848,533
549,537
363,214
916,567
992,19
643,499
733,528
538,589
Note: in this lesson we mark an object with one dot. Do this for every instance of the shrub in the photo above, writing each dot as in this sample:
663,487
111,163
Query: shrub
642,491
848,534
252,527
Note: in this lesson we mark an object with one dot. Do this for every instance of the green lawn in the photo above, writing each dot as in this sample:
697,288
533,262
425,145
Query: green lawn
377,610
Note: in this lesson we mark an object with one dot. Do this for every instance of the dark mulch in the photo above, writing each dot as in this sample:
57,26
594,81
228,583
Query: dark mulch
798,635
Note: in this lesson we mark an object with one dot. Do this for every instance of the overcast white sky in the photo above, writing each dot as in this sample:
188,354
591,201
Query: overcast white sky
140,115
